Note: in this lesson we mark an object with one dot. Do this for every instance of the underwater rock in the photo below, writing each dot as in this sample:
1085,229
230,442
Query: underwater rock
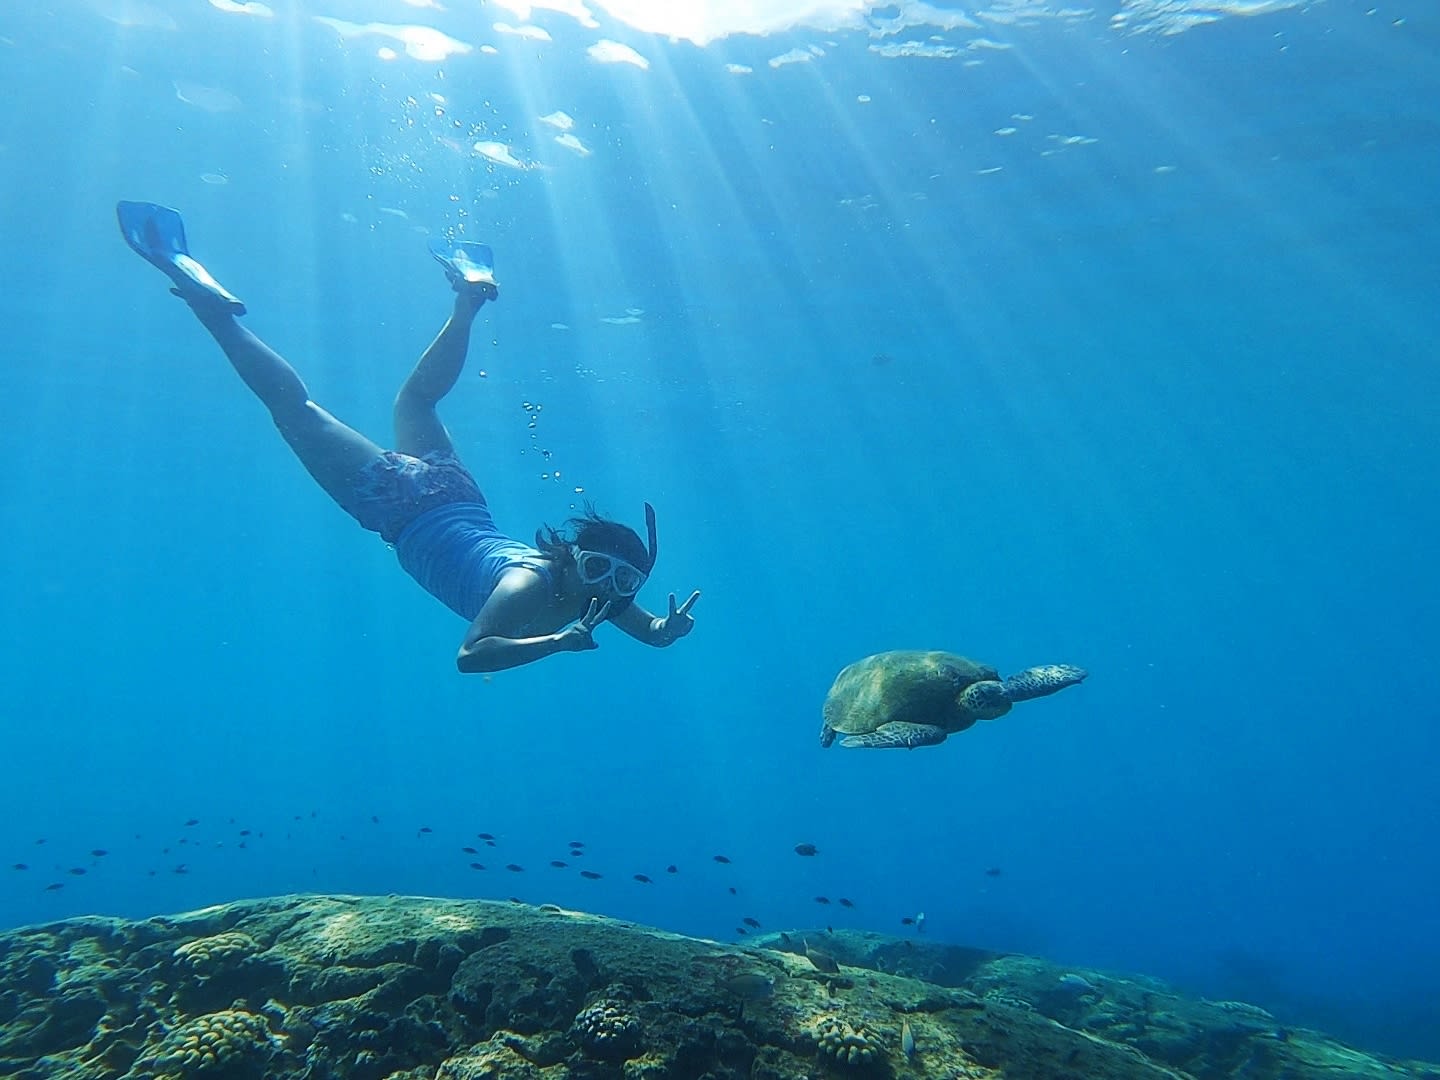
401,988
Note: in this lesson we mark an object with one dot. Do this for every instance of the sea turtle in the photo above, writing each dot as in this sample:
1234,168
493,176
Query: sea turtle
915,698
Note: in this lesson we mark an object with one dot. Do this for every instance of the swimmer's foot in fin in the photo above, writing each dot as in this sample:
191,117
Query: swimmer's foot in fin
157,235
469,266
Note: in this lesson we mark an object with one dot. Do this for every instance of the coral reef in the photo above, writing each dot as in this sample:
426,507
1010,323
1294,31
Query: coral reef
207,955
1206,1040
608,1030
847,1044
232,1041
397,988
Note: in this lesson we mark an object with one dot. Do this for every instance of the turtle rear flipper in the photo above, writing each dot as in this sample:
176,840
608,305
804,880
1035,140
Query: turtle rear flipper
1046,679
897,735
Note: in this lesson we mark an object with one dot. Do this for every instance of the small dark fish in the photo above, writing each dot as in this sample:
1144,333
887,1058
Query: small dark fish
577,843
559,864
576,852
822,899
54,886
490,843
806,849
907,1040
426,829
20,866
78,871
643,879
477,866
244,832
515,900
720,858
181,869
749,986
192,821
515,868
823,961
484,836
732,891
908,920
469,851
754,924
591,874
672,869
741,931
993,871
99,852
41,840
843,902
374,820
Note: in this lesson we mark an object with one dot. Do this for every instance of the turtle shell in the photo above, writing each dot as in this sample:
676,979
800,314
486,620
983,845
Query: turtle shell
918,686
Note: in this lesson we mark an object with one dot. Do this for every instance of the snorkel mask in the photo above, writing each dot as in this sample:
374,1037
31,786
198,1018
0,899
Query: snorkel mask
610,574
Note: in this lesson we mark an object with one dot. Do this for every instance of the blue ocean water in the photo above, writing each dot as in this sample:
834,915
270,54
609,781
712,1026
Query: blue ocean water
1065,336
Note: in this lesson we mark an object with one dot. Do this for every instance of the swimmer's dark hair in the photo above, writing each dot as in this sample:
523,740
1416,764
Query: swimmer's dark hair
593,532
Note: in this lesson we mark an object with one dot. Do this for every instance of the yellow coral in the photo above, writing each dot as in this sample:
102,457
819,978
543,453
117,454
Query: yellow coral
845,1043
207,1043
207,954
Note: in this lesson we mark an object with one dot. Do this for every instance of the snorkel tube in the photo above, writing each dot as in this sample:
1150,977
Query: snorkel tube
650,532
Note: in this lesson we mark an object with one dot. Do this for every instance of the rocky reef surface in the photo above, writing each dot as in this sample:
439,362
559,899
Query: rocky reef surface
410,988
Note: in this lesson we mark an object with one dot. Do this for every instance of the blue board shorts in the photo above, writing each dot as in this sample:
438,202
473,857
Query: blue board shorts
395,489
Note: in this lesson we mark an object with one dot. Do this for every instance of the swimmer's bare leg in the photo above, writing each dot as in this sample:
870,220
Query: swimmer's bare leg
418,430
331,452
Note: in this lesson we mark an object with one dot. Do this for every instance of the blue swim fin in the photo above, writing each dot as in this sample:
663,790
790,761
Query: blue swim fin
468,265
157,235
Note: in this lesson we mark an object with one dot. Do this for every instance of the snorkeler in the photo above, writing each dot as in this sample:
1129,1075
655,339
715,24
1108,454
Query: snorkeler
524,603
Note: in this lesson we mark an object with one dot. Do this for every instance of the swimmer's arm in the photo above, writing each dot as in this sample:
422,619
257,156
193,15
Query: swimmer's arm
489,645
654,630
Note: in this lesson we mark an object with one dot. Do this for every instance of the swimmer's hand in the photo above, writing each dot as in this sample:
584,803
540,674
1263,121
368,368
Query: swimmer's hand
580,635
677,624
469,299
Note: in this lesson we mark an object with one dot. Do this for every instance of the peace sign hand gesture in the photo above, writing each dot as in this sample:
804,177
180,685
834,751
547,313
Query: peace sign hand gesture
579,637
677,624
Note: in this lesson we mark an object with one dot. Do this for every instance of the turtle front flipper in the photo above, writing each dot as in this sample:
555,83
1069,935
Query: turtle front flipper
898,734
827,735
1046,679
